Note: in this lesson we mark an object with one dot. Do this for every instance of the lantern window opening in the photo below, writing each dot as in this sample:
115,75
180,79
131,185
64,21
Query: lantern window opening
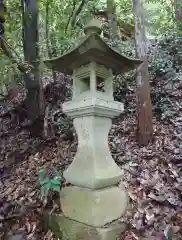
100,82
85,84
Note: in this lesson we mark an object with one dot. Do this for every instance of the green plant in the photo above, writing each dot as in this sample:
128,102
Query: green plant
47,184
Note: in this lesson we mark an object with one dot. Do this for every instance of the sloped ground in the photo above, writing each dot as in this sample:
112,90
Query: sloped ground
153,174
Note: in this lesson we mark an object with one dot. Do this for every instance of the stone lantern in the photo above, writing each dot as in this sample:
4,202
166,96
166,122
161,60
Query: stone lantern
94,202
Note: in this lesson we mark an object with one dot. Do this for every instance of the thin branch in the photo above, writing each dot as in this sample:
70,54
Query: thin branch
47,37
6,49
77,12
47,29
12,49
73,10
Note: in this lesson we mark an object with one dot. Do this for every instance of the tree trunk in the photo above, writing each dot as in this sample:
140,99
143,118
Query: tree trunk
31,56
178,14
2,19
111,15
145,126
178,9
50,49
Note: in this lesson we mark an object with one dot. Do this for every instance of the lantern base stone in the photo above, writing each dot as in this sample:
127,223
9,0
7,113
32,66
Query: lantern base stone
94,207
65,228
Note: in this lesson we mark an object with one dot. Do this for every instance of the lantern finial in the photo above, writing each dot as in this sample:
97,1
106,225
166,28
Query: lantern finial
94,26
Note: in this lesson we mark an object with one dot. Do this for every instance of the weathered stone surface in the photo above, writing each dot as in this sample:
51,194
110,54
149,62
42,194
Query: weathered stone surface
92,48
93,166
94,207
92,106
65,228
84,87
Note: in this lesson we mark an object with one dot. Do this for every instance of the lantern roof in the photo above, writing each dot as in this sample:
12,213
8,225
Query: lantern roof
92,48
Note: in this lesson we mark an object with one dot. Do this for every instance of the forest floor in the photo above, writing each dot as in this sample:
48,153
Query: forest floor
153,174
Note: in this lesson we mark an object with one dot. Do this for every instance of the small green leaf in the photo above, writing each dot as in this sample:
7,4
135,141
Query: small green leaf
56,188
55,181
44,181
56,173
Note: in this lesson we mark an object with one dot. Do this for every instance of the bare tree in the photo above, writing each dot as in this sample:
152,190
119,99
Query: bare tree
30,36
145,126
178,15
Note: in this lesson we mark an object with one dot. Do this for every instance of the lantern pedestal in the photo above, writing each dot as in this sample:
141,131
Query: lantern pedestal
93,166
68,229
